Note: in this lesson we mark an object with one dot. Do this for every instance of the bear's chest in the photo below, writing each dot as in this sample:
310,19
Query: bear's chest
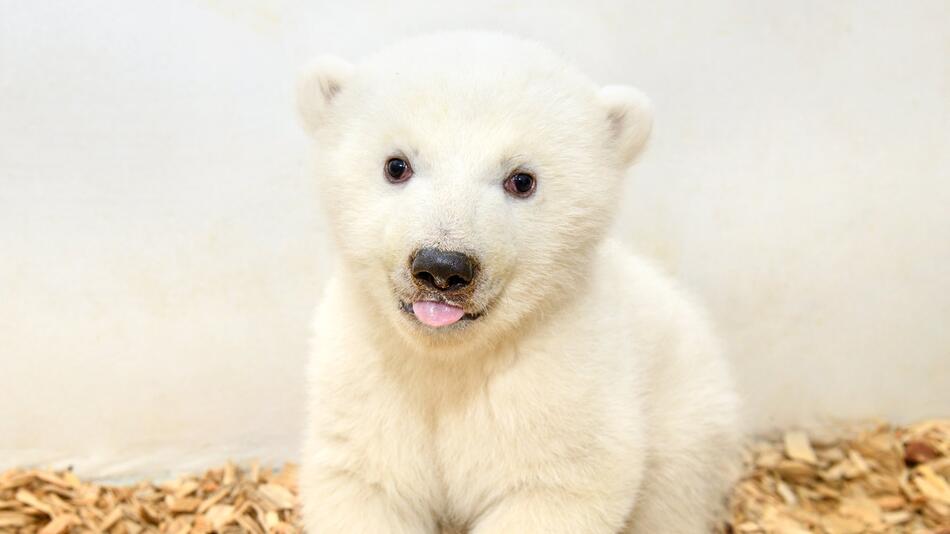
522,427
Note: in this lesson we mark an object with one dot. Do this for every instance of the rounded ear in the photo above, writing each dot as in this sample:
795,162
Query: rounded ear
630,119
317,86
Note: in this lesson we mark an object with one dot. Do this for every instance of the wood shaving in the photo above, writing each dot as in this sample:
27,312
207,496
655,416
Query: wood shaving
227,500
875,480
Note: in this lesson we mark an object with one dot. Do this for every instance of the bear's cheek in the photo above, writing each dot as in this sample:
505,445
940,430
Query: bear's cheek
366,226
551,243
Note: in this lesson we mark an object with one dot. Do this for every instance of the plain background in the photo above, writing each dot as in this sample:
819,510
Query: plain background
161,252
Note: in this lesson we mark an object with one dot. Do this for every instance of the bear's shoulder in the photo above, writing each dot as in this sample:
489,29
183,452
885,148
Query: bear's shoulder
643,291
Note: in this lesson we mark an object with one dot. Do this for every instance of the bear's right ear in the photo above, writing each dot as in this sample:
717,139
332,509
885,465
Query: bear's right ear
317,86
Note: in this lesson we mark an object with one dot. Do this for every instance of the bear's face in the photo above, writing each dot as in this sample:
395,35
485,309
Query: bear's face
467,178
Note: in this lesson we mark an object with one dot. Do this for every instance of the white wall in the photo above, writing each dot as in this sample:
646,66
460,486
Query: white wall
160,251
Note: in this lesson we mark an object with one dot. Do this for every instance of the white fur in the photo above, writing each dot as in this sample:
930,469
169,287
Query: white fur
590,397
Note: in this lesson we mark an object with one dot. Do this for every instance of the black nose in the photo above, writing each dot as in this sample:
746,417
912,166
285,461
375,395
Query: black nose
444,270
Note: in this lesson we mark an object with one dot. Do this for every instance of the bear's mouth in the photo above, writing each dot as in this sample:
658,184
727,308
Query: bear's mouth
437,314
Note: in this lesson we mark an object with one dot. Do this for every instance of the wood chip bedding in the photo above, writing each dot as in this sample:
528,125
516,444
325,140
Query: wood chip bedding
879,479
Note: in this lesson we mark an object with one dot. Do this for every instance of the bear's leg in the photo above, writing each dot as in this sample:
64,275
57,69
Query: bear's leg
553,512
684,491
338,502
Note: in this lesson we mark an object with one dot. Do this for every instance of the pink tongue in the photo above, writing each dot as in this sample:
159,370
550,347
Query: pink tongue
436,314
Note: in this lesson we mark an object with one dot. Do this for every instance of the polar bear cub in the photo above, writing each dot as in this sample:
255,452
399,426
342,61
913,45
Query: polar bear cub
485,360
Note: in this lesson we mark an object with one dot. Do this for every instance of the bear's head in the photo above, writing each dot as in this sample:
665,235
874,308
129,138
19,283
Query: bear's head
467,178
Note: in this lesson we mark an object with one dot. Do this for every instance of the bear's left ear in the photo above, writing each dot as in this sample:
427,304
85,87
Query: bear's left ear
630,119
318,85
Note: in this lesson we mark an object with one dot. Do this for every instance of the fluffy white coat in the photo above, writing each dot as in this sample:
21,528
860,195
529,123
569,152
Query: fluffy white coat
589,396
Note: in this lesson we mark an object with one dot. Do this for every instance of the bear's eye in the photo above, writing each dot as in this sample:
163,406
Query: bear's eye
520,184
397,170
